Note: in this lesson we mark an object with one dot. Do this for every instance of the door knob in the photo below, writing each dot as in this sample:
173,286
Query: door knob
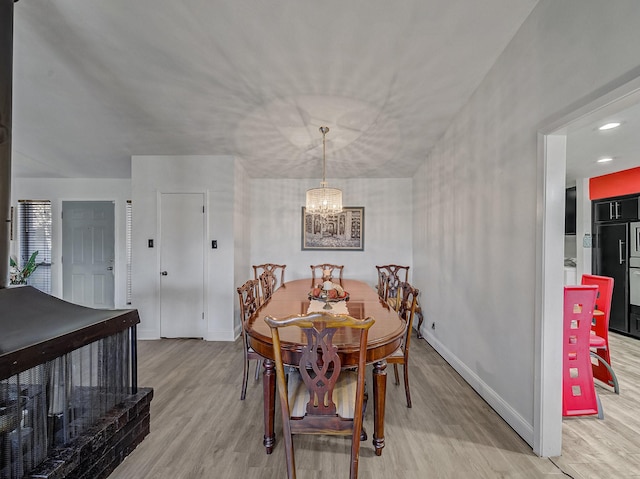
109,268
164,273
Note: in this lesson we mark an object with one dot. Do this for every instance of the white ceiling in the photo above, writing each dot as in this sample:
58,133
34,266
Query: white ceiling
97,81
586,144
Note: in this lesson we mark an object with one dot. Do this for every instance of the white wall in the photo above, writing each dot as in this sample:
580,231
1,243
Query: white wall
213,175
478,208
242,236
58,190
276,223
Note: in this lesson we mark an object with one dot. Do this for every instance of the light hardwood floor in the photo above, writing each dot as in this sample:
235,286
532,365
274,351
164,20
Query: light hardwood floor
201,429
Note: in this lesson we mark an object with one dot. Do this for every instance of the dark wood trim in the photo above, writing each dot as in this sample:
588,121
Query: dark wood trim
6,94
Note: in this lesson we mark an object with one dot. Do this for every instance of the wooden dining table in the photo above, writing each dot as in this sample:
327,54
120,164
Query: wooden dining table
385,336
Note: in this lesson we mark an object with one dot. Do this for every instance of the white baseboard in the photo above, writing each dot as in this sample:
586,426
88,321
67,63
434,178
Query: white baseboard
145,334
220,336
504,410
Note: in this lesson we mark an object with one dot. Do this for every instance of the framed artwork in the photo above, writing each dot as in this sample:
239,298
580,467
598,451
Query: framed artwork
344,231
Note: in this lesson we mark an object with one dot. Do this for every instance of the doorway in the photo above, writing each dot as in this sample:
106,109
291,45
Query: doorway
182,239
557,167
88,245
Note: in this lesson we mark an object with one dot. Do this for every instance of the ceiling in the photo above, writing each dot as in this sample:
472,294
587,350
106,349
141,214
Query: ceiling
586,144
96,82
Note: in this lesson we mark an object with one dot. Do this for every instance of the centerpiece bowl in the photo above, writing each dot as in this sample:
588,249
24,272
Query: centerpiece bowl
323,296
329,293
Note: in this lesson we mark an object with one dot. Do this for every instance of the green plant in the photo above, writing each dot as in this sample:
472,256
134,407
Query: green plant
18,275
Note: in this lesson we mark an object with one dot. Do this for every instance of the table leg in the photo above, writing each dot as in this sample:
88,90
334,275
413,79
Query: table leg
379,393
269,391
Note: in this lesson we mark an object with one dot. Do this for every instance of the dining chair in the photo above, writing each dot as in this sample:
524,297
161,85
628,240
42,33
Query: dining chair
267,286
396,274
599,338
409,299
320,397
320,269
249,305
272,267
579,396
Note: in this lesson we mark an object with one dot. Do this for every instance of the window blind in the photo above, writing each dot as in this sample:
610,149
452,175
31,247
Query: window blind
35,235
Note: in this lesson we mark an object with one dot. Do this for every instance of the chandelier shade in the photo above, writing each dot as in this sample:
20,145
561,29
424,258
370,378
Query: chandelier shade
324,200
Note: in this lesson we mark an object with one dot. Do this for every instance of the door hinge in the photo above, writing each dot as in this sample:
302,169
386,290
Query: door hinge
202,315
202,208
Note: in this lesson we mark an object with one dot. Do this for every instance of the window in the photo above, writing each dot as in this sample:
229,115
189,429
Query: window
35,235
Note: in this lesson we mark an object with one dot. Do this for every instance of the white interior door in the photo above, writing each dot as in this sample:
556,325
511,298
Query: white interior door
182,265
88,253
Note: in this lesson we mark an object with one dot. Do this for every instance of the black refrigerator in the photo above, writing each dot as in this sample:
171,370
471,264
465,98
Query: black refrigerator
611,256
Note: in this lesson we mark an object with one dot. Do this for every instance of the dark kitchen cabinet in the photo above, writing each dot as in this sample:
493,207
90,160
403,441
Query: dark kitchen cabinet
611,259
620,209
570,205
634,321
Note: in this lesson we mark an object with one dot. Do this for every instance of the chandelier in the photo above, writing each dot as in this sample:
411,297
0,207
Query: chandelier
324,200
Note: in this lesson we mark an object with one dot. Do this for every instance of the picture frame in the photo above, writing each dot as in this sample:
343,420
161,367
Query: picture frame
341,232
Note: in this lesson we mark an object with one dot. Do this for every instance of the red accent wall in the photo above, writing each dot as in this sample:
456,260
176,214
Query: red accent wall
621,183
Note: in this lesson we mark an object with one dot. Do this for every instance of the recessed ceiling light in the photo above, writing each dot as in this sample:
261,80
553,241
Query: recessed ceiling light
609,126
605,160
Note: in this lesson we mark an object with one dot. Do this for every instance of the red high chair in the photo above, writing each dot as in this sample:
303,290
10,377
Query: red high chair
599,339
579,397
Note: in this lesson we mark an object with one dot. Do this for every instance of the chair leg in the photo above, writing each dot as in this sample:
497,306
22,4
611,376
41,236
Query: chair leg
405,368
245,377
600,411
258,365
395,372
289,455
363,433
616,387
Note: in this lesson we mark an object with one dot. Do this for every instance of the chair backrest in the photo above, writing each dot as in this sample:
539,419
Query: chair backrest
320,369
578,390
407,310
318,271
249,303
396,274
603,302
383,279
267,285
272,267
